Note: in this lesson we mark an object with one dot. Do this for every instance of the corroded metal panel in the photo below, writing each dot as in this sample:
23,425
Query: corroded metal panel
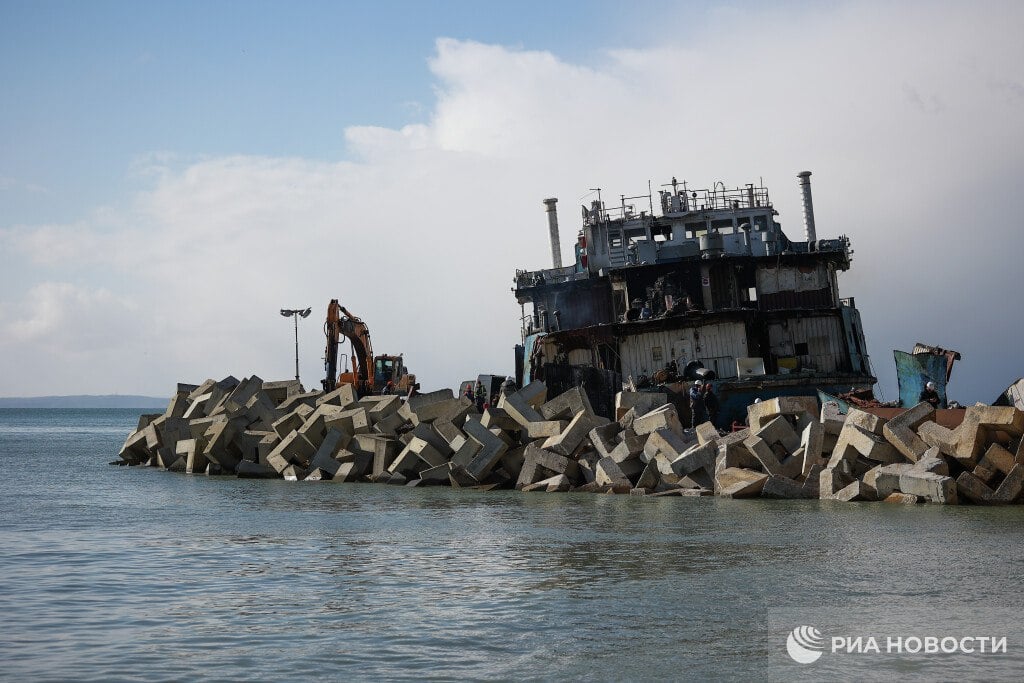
717,346
822,336
792,278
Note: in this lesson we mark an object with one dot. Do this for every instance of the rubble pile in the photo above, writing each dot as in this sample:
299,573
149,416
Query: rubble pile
791,448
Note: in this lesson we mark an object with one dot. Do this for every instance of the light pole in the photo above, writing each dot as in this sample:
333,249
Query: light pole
295,313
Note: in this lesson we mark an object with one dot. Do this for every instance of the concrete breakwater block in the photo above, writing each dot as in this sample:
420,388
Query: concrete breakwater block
536,442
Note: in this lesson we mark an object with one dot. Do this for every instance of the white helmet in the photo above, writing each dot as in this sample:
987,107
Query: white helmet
930,385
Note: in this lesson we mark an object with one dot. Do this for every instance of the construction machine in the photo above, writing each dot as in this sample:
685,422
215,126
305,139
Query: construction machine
370,374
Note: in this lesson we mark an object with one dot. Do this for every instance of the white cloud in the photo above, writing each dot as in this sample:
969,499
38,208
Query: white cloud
909,117
61,332
60,315
373,143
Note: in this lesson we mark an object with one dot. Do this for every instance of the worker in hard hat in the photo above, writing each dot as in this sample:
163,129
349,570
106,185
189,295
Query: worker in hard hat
480,396
710,403
930,395
698,412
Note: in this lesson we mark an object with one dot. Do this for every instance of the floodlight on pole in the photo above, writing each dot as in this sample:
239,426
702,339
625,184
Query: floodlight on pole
295,313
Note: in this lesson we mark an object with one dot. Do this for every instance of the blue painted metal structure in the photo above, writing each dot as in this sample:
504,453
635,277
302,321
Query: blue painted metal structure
913,371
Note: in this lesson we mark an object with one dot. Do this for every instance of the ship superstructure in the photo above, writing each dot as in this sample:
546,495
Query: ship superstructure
711,281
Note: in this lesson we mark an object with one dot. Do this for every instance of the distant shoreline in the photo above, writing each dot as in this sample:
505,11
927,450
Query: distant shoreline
84,401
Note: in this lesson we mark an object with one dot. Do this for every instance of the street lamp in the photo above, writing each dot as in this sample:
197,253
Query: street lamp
295,313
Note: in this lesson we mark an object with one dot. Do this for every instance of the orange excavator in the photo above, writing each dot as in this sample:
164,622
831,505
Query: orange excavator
370,374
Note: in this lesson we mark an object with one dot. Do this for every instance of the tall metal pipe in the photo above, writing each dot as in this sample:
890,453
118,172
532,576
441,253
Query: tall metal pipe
804,178
556,247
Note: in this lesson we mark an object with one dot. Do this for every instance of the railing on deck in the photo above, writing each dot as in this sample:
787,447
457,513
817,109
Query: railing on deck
718,197
533,278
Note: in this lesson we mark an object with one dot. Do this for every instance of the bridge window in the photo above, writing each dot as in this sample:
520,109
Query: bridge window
695,227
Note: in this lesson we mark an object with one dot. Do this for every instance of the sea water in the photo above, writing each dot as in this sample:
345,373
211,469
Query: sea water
115,573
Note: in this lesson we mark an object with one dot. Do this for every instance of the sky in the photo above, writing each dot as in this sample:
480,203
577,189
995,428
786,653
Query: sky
174,173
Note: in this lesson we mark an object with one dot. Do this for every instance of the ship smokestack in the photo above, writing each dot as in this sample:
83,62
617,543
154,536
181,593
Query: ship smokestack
556,247
805,194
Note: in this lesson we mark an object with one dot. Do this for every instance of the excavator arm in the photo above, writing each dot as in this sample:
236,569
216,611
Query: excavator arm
332,333
358,333
341,323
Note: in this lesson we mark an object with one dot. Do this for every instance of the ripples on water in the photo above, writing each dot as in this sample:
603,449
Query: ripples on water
114,573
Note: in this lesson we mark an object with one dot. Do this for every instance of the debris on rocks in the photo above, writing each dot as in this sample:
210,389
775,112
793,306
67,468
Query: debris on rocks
792,448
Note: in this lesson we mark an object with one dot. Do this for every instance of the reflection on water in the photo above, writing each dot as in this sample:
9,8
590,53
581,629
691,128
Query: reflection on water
109,572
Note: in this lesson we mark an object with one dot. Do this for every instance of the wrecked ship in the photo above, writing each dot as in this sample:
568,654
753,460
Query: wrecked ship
709,287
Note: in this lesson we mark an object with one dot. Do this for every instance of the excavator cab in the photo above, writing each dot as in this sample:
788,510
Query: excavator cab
391,369
384,370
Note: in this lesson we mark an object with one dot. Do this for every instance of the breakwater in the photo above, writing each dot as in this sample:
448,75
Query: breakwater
791,448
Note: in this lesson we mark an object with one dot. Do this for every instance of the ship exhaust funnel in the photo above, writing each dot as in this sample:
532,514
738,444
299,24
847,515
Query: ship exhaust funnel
805,194
556,246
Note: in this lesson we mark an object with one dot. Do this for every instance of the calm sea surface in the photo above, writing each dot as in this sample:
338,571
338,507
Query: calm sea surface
111,573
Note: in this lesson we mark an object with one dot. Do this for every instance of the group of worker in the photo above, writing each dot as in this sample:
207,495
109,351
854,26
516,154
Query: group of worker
703,403
482,399
478,394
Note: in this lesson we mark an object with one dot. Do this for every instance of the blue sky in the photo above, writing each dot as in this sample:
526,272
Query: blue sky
171,174
91,86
